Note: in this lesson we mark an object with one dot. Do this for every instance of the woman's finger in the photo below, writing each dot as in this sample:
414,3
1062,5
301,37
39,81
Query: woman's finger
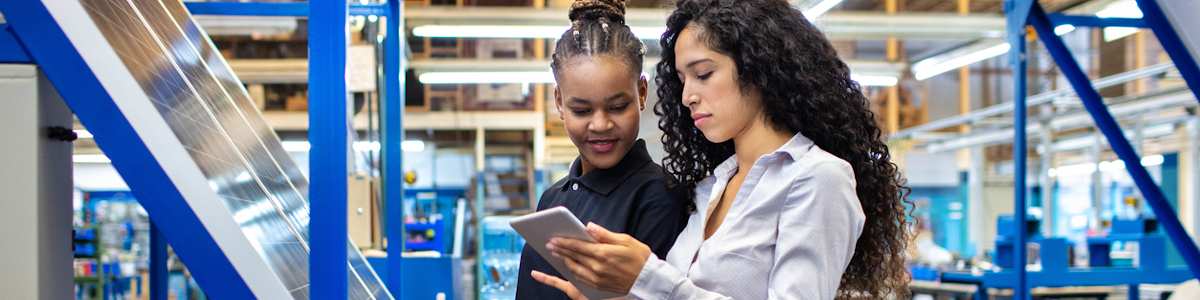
583,248
582,273
602,235
581,258
559,284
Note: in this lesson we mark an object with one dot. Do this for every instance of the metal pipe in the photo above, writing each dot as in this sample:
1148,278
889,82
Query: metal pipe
1039,99
1178,97
1017,40
393,135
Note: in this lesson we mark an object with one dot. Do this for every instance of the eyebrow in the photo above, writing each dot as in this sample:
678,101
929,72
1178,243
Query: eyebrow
696,62
616,96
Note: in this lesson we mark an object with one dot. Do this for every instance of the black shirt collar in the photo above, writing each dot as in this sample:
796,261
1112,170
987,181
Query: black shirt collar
604,181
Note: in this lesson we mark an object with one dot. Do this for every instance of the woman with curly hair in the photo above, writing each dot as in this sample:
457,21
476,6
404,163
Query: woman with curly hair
796,191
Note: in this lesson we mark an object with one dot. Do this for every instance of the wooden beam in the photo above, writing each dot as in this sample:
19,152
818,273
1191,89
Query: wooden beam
892,115
1139,61
964,77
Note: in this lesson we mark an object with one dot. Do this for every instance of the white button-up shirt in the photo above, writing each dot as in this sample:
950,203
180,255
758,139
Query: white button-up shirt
789,234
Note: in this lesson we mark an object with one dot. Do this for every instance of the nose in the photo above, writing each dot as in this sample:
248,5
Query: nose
691,100
690,97
601,122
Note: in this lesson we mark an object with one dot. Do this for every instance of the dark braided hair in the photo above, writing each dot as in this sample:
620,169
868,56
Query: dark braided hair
807,89
598,28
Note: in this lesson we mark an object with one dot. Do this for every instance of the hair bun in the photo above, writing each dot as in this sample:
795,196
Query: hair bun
613,10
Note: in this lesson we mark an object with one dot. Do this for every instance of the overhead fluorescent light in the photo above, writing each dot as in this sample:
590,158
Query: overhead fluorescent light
518,31
1120,9
485,77
1104,166
933,66
1063,29
296,146
363,146
1153,160
820,8
91,159
937,65
412,146
874,80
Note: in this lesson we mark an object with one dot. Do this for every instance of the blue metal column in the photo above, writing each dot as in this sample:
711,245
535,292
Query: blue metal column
1154,16
1116,138
393,136
327,132
1017,17
158,264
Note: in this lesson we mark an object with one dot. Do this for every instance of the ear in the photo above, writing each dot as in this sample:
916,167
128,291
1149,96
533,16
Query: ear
643,87
558,102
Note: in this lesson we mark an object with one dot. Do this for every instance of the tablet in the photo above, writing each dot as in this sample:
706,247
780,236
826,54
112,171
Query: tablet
539,227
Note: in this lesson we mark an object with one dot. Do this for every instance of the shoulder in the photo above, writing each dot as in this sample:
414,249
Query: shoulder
551,192
655,184
825,185
820,167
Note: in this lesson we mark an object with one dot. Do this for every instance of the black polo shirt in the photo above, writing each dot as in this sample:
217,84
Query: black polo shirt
631,197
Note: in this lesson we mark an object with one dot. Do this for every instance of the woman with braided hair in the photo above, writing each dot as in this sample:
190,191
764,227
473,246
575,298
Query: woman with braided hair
796,193
600,94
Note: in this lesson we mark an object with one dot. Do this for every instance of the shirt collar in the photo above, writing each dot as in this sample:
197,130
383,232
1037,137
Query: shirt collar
795,147
604,181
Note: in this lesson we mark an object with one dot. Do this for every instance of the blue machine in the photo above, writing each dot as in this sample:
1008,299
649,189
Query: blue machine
432,215
1006,235
439,276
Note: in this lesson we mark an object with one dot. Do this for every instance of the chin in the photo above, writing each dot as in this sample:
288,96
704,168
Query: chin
715,137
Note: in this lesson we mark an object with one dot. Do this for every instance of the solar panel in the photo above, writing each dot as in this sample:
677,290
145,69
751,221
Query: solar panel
198,122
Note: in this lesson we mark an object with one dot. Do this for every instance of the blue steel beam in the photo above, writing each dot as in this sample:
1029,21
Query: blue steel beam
1172,44
11,50
158,264
393,135
1017,12
1094,21
276,9
1116,139
328,122
1018,15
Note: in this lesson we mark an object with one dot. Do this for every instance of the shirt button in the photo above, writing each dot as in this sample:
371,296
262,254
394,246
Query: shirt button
574,186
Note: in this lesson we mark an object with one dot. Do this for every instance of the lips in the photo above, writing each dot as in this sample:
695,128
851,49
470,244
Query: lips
601,145
699,118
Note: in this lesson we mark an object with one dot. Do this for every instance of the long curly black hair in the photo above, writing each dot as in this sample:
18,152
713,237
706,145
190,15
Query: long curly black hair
805,88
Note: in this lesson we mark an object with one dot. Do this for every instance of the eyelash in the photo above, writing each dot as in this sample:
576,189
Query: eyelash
705,76
582,112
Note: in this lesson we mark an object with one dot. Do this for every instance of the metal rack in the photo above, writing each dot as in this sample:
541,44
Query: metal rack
1022,13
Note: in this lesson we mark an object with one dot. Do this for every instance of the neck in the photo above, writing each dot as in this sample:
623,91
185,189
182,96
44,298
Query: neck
585,166
757,140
